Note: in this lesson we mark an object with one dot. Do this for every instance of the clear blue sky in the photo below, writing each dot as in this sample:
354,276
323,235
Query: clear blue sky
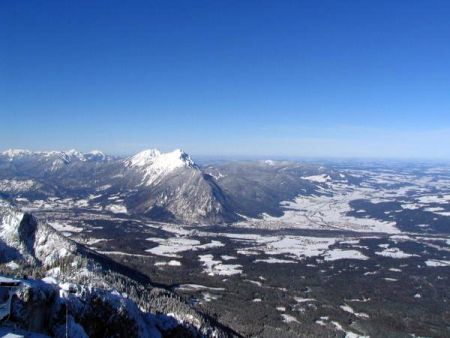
264,78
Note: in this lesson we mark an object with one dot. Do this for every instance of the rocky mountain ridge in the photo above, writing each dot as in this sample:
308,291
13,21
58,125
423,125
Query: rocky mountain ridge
99,294
160,186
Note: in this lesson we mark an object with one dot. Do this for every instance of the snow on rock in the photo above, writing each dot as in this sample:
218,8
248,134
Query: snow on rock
289,319
155,164
9,224
348,334
26,237
12,153
110,299
82,302
117,208
107,305
95,155
16,185
73,153
349,309
12,265
59,157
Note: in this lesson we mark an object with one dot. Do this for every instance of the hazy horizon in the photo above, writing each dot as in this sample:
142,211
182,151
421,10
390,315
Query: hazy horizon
199,157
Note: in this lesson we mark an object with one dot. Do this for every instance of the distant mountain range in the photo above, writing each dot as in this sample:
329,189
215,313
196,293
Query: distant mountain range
161,186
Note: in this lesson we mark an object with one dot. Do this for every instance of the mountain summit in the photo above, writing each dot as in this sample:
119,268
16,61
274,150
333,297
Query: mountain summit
170,186
163,186
155,164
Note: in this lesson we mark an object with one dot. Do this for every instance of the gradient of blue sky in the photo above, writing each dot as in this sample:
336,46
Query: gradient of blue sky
264,78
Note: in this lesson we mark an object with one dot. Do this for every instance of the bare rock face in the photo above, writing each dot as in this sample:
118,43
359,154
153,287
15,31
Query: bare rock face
185,195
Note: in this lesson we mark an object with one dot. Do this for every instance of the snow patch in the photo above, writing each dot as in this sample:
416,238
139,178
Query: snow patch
318,178
336,254
395,253
437,263
215,267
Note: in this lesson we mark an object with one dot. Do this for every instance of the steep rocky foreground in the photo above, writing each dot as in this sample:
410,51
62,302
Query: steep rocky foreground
72,288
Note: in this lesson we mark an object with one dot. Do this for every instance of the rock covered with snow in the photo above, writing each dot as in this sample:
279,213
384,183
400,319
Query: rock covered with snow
162,186
12,153
101,300
155,164
66,156
74,310
48,308
26,238
95,155
171,187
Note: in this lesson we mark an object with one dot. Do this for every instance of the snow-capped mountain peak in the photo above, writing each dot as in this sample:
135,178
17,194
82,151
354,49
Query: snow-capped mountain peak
57,156
179,156
11,153
95,155
143,158
96,152
156,164
73,153
154,158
